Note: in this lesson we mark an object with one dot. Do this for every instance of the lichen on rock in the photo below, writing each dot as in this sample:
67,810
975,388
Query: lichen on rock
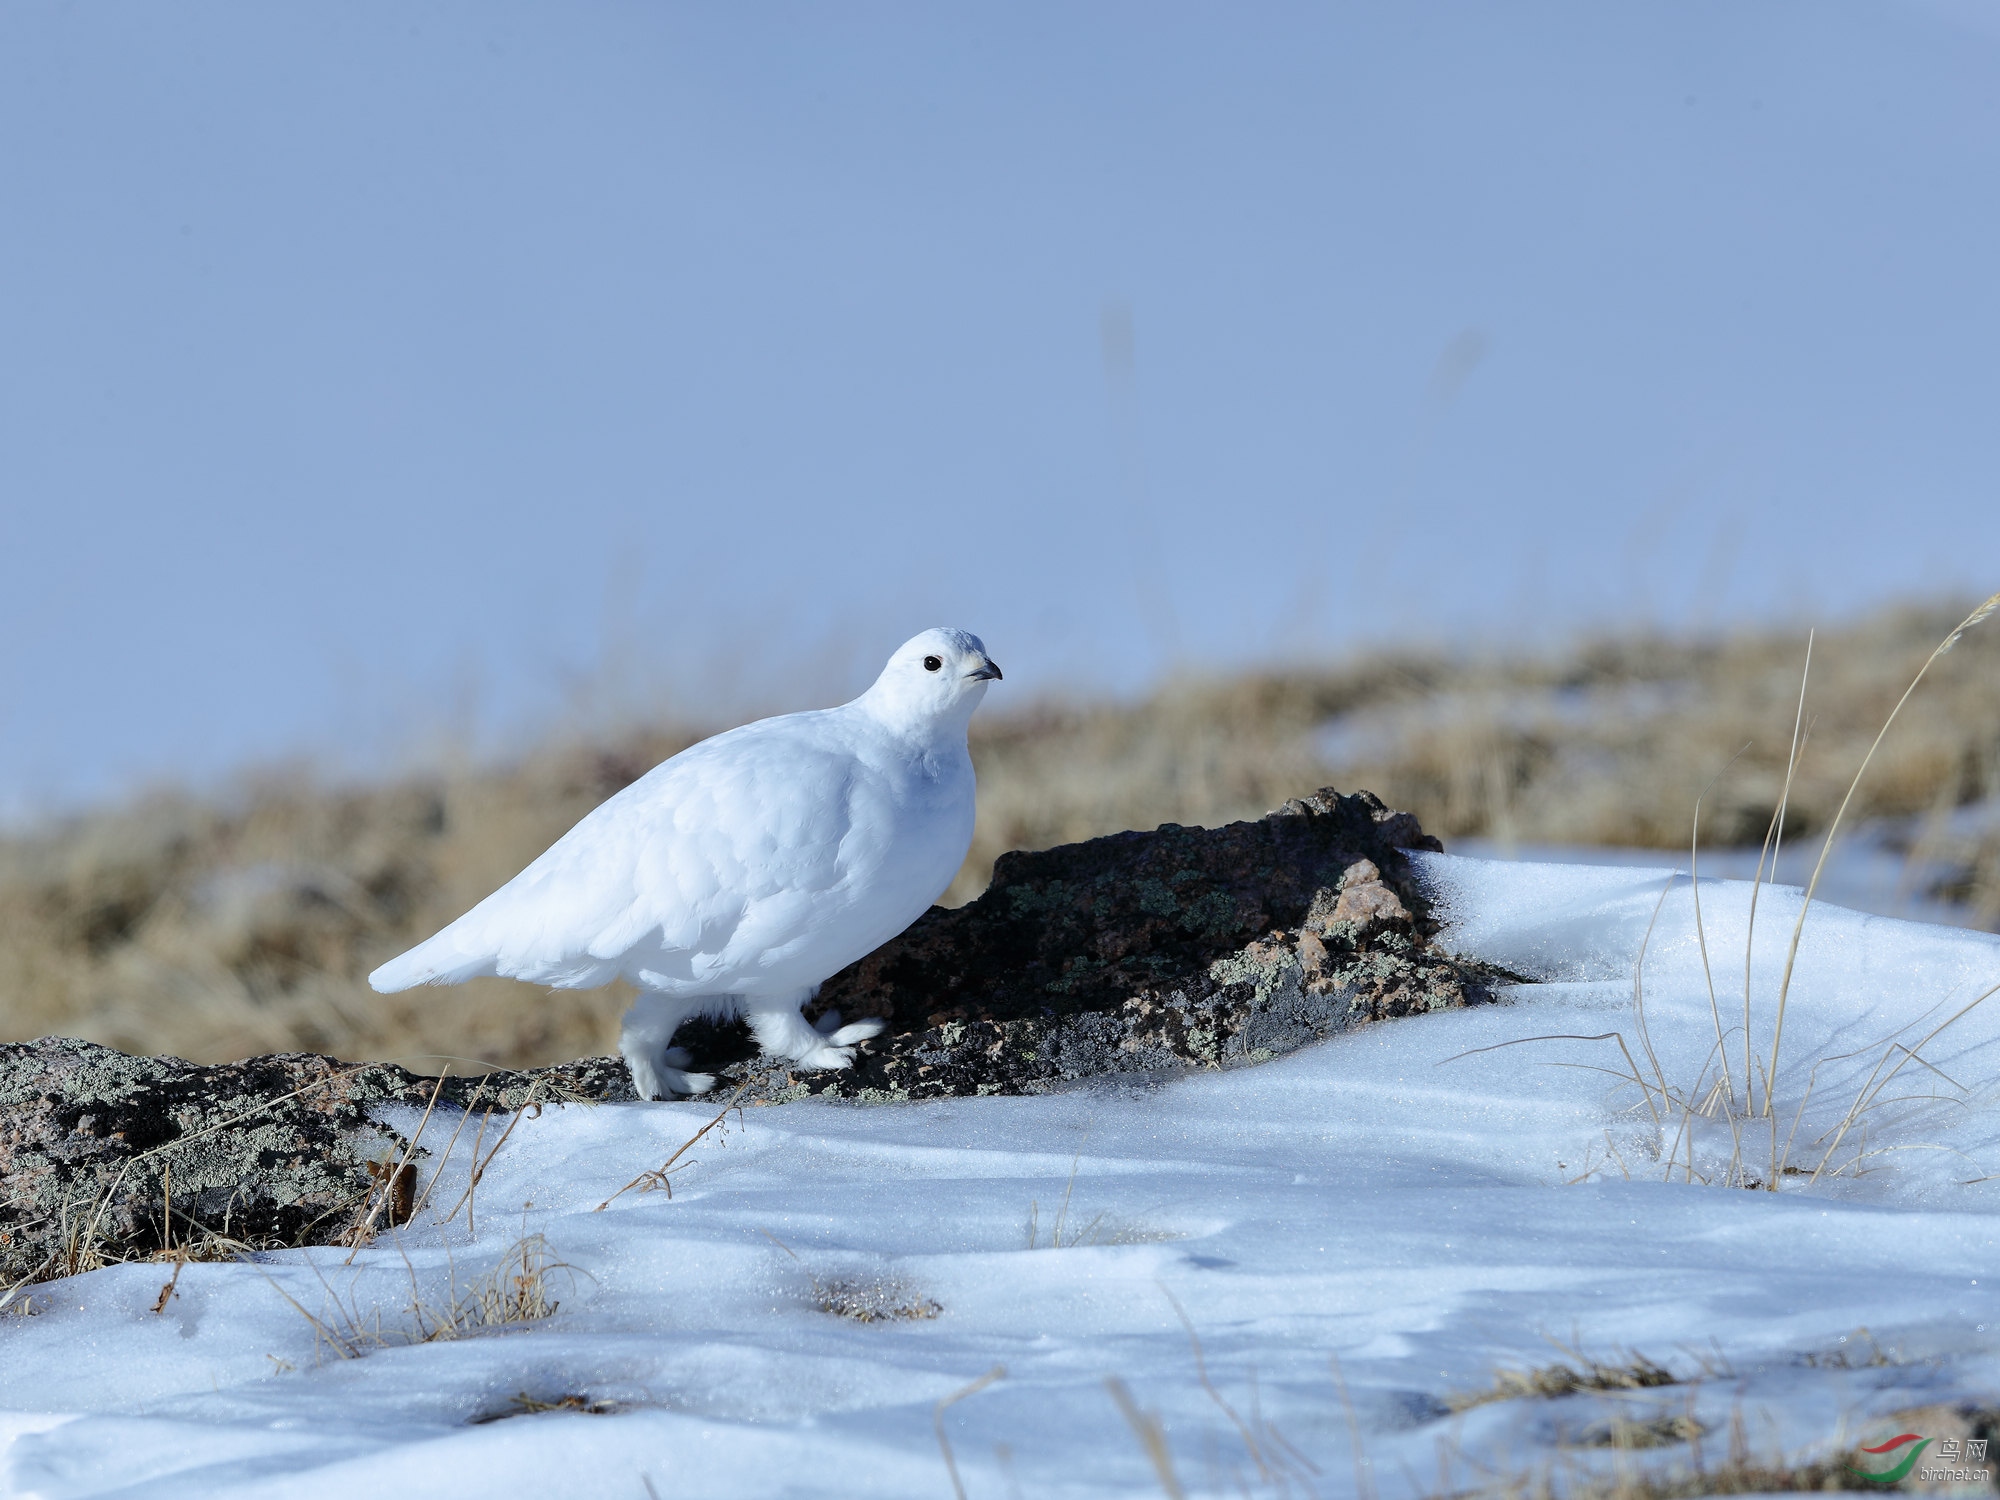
274,1151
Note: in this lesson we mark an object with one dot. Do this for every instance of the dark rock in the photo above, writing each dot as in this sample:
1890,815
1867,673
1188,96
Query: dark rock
270,1152
1135,955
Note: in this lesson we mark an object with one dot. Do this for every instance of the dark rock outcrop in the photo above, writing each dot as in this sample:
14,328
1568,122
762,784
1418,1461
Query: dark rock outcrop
1134,955
1139,953
95,1146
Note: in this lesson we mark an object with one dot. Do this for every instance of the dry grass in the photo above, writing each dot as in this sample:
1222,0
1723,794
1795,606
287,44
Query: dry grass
872,1299
1570,1475
1742,1473
1626,1372
216,928
863,1297
84,1247
660,1179
1855,1351
1688,1465
524,1405
1101,1228
1643,1443
515,1292
1640,1444
1700,1100
1614,744
1647,1430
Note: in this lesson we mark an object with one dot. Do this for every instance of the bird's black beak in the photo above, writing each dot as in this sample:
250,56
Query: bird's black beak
987,670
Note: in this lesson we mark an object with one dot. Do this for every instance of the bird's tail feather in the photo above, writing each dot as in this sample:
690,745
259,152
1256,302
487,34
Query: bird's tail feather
441,960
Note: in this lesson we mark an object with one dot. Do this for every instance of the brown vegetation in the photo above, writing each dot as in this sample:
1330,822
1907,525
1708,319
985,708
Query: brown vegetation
221,927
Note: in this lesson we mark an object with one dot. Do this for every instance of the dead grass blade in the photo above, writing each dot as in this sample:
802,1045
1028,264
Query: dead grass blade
998,1372
516,1290
1250,1443
478,1140
15,1289
1364,1481
399,1179
1774,839
1152,1435
1871,1090
1700,930
438,1171
659,1178
1833,829
1645,1090
479,1166
1639,994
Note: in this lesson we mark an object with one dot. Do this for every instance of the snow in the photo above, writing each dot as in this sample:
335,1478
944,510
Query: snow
1424,1222
1889,866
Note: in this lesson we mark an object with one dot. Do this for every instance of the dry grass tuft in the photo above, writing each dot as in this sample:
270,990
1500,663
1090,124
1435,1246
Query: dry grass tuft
515,1292
872,1300
1855,1351
184,1241
524,1405
1575,1472
205,1246
865,1299
1701,1100
660,1179
1067,1233
1630,1372
1751,1476
1646,1430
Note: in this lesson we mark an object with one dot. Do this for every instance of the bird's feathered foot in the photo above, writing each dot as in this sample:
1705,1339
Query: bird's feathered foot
667,1077
860,1031
828,1026
659,1070
828,1044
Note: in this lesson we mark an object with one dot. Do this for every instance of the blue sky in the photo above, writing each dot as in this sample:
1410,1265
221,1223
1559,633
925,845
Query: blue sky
374,371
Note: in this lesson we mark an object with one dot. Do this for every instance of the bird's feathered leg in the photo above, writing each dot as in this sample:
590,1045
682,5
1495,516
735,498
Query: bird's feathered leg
781,1031
645,1039
828,1026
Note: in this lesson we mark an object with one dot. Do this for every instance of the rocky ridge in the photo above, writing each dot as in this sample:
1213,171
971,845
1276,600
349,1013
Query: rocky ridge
1132,957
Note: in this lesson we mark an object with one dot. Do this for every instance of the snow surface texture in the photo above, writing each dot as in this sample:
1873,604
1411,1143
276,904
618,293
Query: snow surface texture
1420,1221
1873,868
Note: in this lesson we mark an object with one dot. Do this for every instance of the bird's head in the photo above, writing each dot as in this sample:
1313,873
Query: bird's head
934,679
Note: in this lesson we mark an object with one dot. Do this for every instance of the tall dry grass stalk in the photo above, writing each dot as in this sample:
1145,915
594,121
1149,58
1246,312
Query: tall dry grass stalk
1689,1101
1833,829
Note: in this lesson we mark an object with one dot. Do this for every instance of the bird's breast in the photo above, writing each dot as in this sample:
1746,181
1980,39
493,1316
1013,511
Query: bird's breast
917,816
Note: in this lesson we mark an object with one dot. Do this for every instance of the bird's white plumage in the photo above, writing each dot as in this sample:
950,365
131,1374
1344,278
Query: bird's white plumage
747,869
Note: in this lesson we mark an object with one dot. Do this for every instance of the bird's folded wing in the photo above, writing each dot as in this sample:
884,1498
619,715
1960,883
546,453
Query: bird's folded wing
722,846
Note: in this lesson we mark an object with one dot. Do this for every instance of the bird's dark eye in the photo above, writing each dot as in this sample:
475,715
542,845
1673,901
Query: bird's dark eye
933,663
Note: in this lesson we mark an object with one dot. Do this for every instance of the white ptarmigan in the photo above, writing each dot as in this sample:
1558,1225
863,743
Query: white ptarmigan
736,877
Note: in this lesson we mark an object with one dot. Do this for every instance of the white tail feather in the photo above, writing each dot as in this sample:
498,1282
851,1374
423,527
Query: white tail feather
437,961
